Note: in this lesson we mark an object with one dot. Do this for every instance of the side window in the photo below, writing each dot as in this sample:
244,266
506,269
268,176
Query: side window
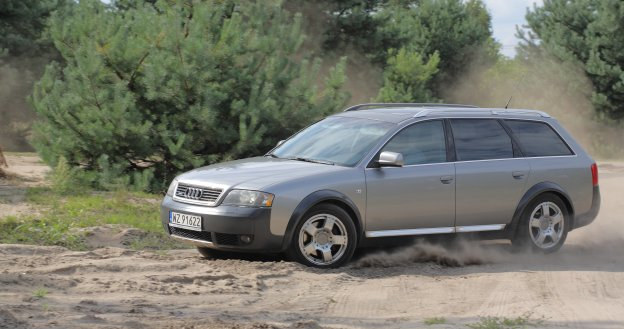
538,139
420,143
480,139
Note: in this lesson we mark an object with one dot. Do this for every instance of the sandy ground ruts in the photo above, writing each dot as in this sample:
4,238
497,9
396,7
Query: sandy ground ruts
582,286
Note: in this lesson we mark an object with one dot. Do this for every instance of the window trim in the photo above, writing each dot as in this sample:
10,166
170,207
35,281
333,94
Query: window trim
518,152
572,153
451,155
373,163
497,120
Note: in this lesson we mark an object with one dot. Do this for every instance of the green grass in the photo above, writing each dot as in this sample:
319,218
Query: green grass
40,293
523,321
434,320
61,214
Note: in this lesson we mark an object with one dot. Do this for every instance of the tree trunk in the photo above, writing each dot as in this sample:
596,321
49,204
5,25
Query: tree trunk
3,162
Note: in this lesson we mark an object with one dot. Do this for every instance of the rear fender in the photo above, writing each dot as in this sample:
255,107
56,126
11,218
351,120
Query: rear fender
532,193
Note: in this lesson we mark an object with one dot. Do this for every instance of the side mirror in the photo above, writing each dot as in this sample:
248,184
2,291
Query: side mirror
280,142
390,159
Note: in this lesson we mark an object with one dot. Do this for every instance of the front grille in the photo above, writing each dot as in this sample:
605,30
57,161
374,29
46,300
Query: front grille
227,239
195,193
195,235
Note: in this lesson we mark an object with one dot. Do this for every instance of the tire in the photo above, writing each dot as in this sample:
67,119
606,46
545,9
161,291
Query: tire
210,253
325,237
541,233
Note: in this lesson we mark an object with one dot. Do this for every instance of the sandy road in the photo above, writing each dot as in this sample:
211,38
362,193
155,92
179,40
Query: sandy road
582,286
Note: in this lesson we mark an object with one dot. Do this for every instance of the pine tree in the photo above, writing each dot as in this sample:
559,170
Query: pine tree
151,90
407,77
459,31
21,25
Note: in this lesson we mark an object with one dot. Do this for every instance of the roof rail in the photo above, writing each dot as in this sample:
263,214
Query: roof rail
378,105
426,112
529,112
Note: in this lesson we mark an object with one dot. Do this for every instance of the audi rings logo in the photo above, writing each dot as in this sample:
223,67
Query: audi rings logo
193,193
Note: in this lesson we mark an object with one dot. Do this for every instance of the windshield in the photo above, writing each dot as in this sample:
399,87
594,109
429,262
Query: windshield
335,140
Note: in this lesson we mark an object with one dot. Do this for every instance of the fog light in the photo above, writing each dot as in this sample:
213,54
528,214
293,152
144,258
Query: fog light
245,238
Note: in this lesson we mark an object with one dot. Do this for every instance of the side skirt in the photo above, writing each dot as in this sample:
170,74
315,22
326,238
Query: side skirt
435,230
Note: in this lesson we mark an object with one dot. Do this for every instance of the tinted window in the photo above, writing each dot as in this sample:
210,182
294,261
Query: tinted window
420,143
480,139
537,139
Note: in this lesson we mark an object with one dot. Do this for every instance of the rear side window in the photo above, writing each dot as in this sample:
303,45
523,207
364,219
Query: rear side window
480,139
420,143
538,139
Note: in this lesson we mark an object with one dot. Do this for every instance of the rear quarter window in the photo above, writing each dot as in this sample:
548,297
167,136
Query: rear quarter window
538,139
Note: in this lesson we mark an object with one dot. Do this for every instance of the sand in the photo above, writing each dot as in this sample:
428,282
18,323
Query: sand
581,286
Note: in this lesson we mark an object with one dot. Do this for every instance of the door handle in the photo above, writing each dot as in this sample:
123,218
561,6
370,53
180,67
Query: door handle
518,174
446,179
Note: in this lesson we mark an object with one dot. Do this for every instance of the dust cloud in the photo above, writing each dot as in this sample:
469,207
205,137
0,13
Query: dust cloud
17,77
364,78
460,253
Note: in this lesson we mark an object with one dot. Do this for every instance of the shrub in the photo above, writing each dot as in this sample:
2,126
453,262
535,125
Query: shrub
147,91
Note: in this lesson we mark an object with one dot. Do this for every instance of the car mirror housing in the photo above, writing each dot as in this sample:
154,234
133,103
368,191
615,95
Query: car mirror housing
391,159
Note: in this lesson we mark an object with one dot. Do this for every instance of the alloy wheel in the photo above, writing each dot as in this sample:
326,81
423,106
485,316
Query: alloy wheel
546,225
323,239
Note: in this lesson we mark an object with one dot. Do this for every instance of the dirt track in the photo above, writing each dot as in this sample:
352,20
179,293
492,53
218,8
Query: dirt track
582,286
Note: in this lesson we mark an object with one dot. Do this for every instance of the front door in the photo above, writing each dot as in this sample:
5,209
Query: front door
418,198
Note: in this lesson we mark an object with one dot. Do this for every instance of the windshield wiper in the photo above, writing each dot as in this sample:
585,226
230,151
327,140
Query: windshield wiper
312,160
272,155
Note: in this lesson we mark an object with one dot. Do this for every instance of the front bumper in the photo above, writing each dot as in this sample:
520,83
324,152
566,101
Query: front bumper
224,226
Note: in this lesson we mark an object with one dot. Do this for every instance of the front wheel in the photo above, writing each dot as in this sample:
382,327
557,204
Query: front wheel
544,225
325,238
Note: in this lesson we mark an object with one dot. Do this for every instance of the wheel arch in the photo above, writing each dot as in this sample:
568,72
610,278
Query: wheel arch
323,196
534,192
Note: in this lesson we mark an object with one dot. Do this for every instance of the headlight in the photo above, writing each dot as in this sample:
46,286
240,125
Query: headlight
172,187
248,198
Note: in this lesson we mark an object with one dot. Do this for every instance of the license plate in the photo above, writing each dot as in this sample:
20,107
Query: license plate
189,222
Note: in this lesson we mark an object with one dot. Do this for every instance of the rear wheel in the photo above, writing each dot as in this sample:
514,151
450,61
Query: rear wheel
325,238
544,225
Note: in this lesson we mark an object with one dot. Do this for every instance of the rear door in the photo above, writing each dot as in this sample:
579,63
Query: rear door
418,198
491,175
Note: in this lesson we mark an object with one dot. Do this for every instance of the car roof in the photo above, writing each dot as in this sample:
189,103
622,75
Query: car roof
399,112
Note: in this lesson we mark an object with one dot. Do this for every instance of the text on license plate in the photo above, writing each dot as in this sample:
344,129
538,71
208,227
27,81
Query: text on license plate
186,221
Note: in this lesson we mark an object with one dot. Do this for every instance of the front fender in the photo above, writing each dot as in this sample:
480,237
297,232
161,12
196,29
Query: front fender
315,198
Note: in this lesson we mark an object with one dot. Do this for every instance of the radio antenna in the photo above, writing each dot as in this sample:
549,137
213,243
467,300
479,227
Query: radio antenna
518,83
509,101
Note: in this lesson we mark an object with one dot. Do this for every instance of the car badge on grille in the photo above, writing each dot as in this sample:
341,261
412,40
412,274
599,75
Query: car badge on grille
193,193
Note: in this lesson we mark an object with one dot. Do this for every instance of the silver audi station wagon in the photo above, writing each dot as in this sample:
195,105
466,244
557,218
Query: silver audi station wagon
388,170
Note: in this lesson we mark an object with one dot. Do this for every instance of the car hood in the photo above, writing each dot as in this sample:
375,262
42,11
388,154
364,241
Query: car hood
254,173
